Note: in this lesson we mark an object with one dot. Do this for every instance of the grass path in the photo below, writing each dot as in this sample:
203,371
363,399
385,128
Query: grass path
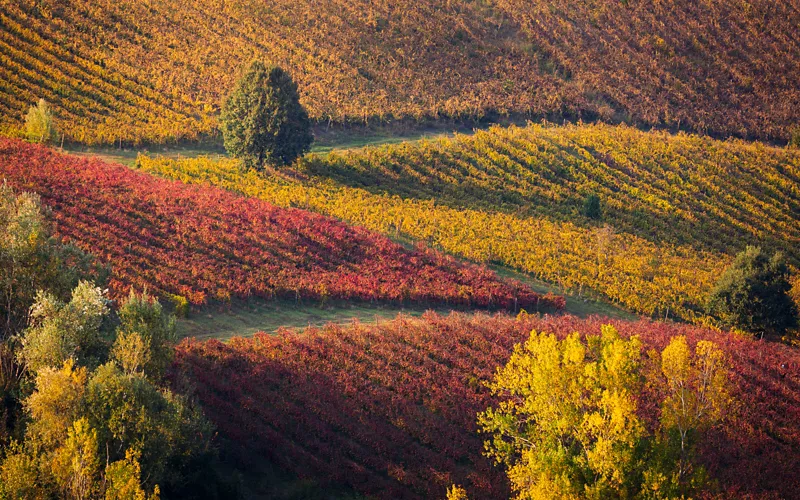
246,318
325,141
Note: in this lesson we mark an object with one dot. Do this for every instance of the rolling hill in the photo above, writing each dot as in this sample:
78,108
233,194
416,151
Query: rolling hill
201,243
675,207
156,71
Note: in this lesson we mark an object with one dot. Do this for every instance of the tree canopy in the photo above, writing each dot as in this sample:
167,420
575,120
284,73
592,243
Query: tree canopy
568,426
753,294
262,119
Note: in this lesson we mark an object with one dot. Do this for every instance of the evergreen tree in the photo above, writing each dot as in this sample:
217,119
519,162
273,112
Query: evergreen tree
753,294
262,119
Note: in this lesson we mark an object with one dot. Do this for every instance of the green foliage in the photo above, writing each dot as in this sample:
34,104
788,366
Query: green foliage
753,294
129,412
144,337
60,332
33,260
262,119
591,207
39,126
567,424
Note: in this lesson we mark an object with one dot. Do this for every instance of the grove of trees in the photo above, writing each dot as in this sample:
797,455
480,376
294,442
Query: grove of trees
86,412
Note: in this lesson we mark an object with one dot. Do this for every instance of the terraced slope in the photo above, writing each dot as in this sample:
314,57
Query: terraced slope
155,71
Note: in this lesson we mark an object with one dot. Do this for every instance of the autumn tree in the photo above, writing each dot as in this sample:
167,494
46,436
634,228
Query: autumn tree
753,294
33,260
63,331
567,424
694,391
262,119
39,126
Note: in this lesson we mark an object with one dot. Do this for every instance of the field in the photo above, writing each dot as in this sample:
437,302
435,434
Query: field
389,409
263,315
200,243
514,196
156,71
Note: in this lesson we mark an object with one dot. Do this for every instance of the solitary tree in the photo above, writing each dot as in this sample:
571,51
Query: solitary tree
39,125
753,294
262,119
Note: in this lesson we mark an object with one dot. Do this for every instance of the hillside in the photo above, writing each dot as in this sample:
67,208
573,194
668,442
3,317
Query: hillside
156,71
201,243
675,207
390,409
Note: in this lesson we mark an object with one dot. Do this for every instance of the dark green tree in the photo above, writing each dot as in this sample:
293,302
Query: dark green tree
753,294
591,207
262,119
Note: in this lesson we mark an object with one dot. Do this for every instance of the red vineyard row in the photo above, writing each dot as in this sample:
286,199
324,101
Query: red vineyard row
202,242
389,409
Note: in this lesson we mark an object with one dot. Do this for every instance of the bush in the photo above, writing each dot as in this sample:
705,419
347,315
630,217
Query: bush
591,207
262,119
794,139
753,294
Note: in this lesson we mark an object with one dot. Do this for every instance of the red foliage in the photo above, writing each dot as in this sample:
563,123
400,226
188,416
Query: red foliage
390,408
204,242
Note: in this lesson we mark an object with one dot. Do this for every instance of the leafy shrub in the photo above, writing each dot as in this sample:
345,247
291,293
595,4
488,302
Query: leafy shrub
591,207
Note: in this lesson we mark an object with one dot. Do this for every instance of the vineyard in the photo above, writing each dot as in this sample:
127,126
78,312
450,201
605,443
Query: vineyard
675,207
156,71
201,243
390,408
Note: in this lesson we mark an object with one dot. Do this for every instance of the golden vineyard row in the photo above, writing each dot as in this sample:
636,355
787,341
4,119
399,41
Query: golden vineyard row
675,207
157,71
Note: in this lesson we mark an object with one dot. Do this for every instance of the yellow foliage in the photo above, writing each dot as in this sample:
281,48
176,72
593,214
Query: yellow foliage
567,426
124,479
56,403
76,465
568,412
456,493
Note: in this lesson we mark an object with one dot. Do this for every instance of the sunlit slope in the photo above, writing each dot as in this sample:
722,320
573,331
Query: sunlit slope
156,71
676,208
201,243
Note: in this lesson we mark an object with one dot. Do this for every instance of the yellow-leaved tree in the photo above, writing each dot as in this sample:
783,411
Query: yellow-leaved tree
693,387
567,424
